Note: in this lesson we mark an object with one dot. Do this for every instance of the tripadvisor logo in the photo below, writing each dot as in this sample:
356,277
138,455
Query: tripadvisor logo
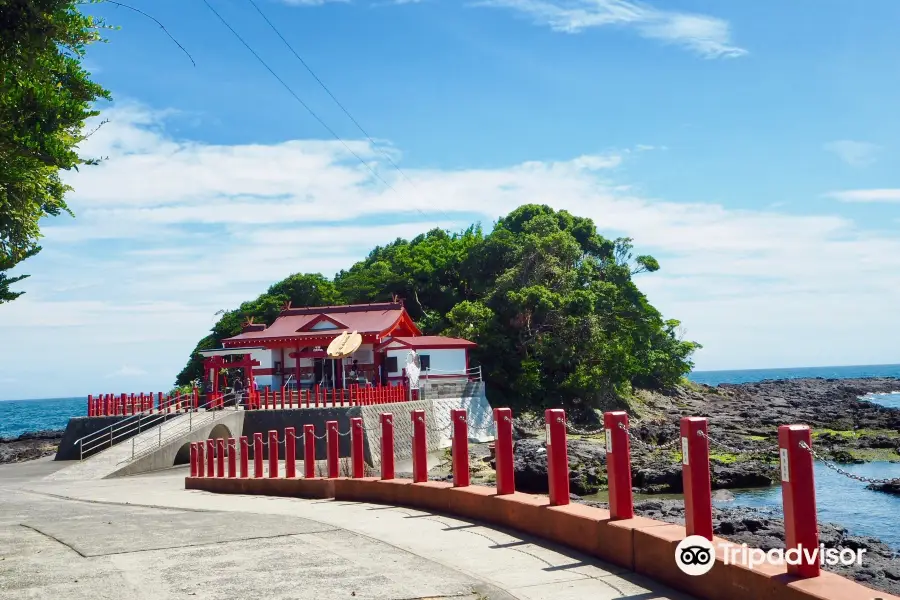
696,555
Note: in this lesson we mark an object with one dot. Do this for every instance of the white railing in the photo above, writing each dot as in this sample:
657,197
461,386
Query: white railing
108,436
180,427
471,374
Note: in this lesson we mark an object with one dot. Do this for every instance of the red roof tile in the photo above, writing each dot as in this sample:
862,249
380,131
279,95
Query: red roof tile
434,341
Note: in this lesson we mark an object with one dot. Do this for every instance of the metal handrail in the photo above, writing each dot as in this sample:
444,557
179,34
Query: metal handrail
160,440
94,440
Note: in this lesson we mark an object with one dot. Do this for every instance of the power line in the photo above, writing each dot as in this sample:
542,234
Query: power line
297,98
328,91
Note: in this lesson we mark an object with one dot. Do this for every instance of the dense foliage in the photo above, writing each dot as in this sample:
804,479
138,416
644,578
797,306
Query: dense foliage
45,98
551,303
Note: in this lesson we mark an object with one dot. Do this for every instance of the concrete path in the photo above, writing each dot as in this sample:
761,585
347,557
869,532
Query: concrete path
147,538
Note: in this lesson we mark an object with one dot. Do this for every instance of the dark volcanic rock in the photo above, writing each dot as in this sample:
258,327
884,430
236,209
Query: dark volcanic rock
587,470
29,446
892,487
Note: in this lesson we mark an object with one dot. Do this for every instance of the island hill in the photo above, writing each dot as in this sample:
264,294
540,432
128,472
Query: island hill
559,322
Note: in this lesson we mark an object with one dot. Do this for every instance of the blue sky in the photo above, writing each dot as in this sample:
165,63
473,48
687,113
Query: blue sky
750,146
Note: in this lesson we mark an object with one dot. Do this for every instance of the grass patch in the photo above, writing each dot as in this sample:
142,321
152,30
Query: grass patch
756,438
875,454
855,434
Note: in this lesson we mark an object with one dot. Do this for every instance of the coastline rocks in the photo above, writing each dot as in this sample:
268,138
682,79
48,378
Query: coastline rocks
29,446
587,466
891,487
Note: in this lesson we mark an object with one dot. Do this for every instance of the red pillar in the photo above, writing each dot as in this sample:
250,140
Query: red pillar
331,442
232,458
220,458
193,459
317,395
557,456
290,453
196,398
273,454
201,463
356,447
309,451
420,448
618,464
503,450
245,453
387,446
90,406
211,458
460,446
257,455
283,393
695,477
159,402
798,496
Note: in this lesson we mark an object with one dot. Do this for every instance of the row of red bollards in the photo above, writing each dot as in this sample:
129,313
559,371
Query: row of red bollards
794,441
114,405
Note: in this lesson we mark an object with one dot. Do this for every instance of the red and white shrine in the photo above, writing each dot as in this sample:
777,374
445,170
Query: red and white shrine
292,351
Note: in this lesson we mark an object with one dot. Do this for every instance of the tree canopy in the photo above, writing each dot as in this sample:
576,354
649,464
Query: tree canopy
45,98
551,304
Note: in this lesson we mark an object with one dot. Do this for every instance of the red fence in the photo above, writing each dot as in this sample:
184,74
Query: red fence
794,444
109,405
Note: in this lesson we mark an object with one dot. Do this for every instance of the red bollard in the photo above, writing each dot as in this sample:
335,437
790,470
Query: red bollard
257,455
798,495
90,406
201,464
245,454
159,402
220,458
695,477
141,401
132,406
232,459
193,459
557,456
290,453
332,450
618,464
273,454
460,444
420,447
503,449
356,447
196,399
387,446
317,395
210,458
309,451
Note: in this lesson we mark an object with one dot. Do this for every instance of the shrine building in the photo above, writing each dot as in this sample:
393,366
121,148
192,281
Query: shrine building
293,351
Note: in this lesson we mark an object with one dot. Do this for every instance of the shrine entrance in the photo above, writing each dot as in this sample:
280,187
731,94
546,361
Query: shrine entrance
215,369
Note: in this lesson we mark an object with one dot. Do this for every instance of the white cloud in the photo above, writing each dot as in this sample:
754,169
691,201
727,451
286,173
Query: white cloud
707,36
136,277
872,195
855,154
126,371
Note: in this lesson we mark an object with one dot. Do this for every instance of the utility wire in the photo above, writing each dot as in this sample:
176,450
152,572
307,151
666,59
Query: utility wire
328,91
297,98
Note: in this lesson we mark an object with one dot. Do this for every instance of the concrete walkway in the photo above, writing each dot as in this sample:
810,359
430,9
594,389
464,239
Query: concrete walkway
147,538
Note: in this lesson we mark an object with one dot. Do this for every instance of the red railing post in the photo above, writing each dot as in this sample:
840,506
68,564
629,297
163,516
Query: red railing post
387,446
557,456
283,392
257,455
317,395
220,458
696,478
245,456
460,447
273,454
267,399
420,447
356,447
332,450
309,451
196,399
618,464
201,463
211,458
90,406
798,495
232,458
290,452
193,459
503,451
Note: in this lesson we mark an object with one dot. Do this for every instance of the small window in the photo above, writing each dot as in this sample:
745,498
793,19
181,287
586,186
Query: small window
424,361
391,364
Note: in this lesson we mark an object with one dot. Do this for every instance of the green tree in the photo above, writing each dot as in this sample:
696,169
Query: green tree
45,98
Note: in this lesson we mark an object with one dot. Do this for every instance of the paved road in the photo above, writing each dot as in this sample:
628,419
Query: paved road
147,538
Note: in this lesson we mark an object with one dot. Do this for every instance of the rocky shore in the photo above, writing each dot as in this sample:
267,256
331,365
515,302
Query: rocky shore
29,446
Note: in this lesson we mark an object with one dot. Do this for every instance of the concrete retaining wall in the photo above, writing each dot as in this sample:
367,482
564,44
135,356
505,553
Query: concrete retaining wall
262,421
78,427
642,545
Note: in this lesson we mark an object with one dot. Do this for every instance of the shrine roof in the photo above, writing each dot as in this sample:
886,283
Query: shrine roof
301,323
431,341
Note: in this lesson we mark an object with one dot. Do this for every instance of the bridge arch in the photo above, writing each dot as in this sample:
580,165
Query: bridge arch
183,456
220,431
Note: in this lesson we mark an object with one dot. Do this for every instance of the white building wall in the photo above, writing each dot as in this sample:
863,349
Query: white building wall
444,361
